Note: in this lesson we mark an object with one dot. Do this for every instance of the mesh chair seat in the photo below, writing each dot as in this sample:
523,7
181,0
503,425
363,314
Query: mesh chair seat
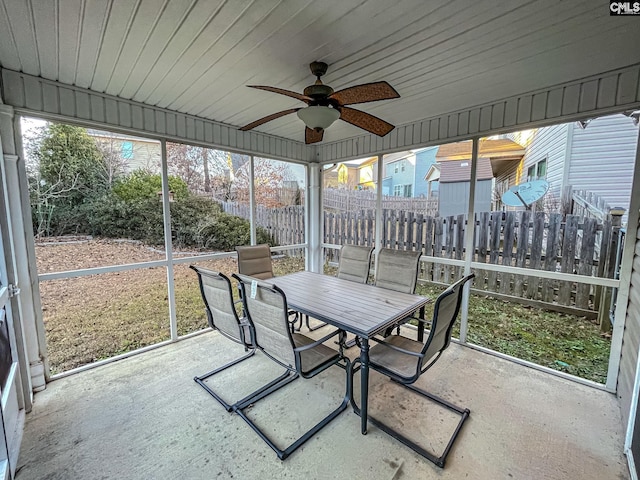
400,363
255,261
314,357
355,261
397,270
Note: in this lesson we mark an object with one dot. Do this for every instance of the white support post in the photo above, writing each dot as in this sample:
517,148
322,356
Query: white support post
378,233
468,241
168,243
313,209
24,390
31,323
252,200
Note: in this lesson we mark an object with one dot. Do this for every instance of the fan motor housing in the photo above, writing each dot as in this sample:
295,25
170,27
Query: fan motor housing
318,92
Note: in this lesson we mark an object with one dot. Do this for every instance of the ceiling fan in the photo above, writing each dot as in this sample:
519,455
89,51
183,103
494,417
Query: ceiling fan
324,106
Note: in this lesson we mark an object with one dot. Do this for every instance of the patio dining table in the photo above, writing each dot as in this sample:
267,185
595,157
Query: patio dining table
361,309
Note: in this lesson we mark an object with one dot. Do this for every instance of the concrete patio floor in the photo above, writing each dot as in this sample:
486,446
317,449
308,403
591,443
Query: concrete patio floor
145,418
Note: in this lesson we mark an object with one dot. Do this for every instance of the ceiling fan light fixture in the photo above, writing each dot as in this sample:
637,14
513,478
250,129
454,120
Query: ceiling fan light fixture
318,117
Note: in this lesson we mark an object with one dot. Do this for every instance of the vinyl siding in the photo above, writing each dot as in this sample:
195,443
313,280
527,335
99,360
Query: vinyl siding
454,197
631,339
604,94
424,160
602,158
59,102
609,92
405,177
548,143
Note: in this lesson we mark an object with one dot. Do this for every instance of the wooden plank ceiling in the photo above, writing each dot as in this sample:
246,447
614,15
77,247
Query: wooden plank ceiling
196,56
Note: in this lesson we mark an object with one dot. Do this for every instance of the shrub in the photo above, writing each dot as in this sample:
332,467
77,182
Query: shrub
141,184
195,222
186,217
142,219
224,232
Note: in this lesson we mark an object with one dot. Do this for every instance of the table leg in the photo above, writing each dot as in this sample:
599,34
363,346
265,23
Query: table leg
421,325
364,383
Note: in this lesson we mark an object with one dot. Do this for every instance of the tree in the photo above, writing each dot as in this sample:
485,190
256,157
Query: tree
197,166
66,169
110,146
70,158
271,178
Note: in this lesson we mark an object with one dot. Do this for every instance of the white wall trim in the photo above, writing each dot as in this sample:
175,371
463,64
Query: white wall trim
51,100
632,465
626,270
606,93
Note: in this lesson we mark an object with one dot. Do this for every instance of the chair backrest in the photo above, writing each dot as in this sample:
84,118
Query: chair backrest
266,307
355,262
217,295
445,312
255,261
397,270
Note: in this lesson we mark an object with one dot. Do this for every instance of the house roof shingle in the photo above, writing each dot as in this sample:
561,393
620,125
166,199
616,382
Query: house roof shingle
460,170
487,148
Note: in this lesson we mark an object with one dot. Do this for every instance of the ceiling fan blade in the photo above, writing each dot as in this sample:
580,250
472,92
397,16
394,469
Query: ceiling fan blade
311,136
367,92
282,91
268,118
365,121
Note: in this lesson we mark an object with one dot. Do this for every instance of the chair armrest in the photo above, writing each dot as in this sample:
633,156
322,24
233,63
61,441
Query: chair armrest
317,342
398,349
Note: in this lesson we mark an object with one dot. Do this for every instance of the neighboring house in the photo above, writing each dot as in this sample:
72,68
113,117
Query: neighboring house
455,184
356,175
597,156
452,173
404,172
131,152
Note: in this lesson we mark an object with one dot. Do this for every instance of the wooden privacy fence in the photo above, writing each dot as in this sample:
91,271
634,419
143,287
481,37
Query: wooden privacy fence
356,200
520,239
525,239
285,224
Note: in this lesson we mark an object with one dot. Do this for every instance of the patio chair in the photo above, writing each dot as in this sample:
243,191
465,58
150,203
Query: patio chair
354,265
398,270
355,261
217,296
403,360
299,355
255,261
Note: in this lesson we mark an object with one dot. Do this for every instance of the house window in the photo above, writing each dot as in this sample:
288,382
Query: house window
127,150
396,167
402,190
402,166
537,170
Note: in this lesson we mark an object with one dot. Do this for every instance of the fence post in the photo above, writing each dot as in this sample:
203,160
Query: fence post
616,214
566,200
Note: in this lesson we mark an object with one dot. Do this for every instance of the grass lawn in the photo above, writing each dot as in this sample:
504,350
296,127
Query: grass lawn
563,342
96,317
